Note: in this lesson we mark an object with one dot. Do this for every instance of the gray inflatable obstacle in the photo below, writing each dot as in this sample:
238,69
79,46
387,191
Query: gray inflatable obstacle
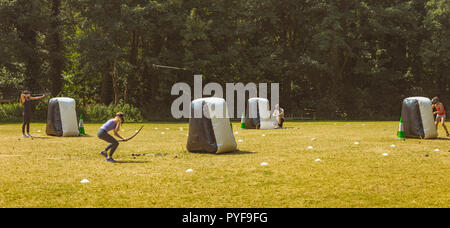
62,117
418,118
210,128
257,115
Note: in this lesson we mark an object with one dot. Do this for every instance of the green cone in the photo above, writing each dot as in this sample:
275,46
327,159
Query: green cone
401,133
82,126
243,122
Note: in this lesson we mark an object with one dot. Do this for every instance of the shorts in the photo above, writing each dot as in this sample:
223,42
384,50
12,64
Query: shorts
441,117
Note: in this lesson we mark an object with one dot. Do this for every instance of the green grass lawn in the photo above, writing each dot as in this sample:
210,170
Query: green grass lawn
46,171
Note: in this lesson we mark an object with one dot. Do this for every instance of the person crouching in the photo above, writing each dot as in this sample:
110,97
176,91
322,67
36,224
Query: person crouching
278,113
112,124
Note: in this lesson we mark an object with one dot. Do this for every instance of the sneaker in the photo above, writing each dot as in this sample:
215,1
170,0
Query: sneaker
103,153
110,160
448,135
25,136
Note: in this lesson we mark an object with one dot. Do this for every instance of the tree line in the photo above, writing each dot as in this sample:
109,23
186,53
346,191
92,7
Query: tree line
346,59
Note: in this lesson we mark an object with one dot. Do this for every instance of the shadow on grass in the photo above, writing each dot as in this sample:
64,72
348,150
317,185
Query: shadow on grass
86,136
131,162
443,139
50,137
237,152
254,129
437,139
39,137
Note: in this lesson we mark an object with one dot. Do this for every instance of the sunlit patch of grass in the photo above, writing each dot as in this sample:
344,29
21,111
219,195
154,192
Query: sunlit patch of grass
46,171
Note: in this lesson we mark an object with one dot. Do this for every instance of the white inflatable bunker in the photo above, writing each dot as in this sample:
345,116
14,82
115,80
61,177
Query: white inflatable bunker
258,114
418,118
210,128
62,117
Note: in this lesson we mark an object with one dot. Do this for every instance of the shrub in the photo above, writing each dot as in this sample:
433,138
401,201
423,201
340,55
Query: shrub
11,112
91,113
101,113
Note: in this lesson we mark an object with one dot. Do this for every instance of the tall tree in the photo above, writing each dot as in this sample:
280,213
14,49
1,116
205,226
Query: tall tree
55,44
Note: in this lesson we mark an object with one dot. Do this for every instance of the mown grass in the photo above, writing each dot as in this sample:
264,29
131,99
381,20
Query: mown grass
46,171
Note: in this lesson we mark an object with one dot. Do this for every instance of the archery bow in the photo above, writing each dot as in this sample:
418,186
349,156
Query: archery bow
137,132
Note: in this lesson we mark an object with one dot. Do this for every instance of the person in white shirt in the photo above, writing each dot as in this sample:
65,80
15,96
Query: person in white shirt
278,113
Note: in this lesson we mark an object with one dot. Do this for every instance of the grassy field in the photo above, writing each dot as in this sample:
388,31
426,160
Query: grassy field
46,171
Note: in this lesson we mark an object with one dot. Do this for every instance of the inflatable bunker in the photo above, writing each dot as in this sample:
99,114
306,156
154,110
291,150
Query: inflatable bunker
210,128
418,118
257,115
62,117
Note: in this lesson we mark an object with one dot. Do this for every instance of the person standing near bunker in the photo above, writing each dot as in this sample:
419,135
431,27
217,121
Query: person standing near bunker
25,100
278,113
440,113
112,124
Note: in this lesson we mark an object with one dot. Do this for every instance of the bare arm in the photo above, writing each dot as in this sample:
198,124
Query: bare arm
37,98
116,131
22,98
276,113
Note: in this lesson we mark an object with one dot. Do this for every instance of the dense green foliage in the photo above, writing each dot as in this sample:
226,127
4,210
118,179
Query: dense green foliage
347,59
13,112
92,113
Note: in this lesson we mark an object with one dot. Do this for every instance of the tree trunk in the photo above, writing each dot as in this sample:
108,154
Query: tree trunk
106,90
132,82
56,50
114,82
29,52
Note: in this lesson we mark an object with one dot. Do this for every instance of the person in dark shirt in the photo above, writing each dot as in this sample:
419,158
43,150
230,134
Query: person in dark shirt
25,100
